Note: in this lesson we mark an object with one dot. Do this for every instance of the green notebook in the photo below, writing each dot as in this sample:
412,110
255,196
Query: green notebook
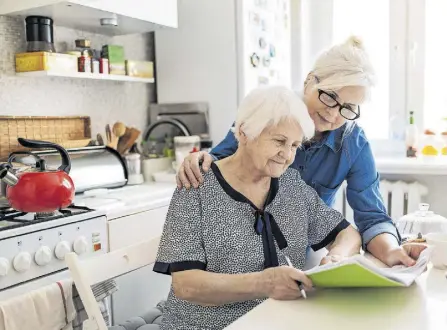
358,271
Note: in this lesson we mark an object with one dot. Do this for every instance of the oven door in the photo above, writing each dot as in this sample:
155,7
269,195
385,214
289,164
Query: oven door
38,283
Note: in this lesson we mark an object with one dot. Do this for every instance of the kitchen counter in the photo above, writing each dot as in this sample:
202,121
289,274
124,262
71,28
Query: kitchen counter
423,306
127,200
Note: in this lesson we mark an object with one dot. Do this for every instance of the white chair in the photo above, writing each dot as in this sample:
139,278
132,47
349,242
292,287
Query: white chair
88,272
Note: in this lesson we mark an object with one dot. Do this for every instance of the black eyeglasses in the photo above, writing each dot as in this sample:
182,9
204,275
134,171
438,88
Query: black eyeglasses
346,111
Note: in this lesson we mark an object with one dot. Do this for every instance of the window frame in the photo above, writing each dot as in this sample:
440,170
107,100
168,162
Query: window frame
406,55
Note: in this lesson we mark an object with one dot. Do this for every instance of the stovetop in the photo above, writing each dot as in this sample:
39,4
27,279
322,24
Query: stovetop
10,218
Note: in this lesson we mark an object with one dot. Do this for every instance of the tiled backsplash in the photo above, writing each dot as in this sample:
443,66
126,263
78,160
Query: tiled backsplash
104,101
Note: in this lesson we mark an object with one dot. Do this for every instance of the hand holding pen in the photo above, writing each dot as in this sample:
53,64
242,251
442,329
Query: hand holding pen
299,283
280,283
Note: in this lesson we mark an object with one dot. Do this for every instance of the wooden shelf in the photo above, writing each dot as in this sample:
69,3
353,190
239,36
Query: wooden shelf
81,75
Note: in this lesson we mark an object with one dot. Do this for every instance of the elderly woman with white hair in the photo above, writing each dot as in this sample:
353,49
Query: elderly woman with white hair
338,84
225,244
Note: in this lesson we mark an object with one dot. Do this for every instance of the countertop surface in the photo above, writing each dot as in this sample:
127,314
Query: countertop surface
128,199
422,306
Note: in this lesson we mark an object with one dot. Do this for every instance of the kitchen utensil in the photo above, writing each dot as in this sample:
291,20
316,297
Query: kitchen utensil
112,139
129,139
39,189
100,139
119,129
123,139
422,222
108,134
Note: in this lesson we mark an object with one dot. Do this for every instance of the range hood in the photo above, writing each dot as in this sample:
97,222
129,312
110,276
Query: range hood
107,17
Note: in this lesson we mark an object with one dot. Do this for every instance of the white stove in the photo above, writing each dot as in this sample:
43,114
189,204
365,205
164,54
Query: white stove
33,247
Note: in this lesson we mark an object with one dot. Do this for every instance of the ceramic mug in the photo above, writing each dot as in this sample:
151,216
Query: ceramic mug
439,254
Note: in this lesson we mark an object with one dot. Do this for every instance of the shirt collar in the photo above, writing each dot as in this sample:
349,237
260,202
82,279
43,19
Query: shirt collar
334,139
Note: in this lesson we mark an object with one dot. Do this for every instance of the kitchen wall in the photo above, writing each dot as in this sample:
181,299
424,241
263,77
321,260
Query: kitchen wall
104,101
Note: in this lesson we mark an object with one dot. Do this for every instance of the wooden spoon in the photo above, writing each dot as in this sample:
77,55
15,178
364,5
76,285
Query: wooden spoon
119,129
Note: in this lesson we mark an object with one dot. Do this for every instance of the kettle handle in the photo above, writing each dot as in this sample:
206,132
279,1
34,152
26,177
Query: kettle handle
33,144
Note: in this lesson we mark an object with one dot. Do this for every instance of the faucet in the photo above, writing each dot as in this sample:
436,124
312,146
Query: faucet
170,121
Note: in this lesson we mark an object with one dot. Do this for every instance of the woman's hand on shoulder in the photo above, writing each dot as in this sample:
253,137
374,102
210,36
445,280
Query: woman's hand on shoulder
282,282
189,172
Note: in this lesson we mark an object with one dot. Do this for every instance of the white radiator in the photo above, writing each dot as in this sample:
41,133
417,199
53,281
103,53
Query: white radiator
399,197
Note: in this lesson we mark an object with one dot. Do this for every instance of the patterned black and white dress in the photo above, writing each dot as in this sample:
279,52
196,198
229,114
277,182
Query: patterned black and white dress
215,228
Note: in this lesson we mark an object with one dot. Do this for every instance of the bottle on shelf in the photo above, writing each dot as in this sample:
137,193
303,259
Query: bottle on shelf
411,136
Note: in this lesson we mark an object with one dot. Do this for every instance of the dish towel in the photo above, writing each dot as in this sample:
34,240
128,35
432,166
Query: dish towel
49,308
101,291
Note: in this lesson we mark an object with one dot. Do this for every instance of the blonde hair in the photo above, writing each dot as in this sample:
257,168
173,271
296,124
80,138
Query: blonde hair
344,65
267,106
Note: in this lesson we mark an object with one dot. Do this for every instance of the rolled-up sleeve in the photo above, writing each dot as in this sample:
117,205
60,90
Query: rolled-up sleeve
181,245
324,223
363,195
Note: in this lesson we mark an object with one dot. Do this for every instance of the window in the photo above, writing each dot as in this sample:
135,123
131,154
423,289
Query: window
382,25
406,43
359,17
435,96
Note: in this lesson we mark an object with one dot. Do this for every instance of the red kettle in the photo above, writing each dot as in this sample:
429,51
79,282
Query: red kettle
39,189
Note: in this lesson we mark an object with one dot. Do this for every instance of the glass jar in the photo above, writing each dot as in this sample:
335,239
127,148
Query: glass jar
133,163
184,145
431,145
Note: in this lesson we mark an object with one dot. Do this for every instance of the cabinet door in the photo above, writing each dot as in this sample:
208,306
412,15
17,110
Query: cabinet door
137,227
9,6
140,290
159,12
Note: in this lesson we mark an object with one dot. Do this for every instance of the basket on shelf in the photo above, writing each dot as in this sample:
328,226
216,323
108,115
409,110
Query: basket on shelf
67,131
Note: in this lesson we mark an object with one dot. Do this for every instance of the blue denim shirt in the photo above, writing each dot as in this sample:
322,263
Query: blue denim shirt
343,154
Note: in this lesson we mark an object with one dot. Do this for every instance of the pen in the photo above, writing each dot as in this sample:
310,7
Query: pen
300,285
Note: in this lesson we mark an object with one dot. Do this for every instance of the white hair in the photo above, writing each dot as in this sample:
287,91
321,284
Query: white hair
267,106
344,65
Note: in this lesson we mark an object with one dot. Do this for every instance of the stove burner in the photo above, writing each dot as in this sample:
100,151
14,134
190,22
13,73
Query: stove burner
10,218
42,215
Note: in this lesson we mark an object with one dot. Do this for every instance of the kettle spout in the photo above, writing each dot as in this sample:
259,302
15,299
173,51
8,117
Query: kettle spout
6,176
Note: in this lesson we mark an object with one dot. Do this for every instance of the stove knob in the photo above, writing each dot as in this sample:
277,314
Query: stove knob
62,248
43,256
4,266
22,262
80,245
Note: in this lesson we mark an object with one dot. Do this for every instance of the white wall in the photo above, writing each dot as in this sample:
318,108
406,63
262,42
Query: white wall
206,42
